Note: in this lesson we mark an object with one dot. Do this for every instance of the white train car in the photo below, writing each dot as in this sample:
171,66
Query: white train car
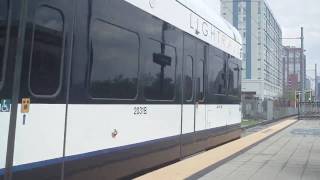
108,89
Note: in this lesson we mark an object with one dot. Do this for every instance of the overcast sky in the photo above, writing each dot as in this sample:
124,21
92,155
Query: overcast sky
291,15
213,3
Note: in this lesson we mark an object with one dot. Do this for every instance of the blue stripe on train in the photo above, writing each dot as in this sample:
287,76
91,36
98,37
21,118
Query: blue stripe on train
45,163
1,172
35,165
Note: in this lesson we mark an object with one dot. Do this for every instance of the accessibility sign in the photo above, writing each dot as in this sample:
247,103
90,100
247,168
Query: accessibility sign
5,105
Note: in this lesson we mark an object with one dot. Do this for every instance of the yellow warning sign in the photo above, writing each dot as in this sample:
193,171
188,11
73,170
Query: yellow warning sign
25,105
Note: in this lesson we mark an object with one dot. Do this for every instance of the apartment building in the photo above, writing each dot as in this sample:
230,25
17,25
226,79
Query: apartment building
262,49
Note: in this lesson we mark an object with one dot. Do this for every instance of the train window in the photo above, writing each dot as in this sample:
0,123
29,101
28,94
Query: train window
188,78
217,72
3,32
115,62
160,71
234,79
200,81
201,52
47,52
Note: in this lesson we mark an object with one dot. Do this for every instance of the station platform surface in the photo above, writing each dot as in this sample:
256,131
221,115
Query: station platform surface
254,163
291,154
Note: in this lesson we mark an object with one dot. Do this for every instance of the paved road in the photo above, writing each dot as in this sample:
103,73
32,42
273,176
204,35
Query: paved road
291,154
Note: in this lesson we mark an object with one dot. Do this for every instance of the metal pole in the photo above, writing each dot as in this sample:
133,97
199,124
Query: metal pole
316,83
302,72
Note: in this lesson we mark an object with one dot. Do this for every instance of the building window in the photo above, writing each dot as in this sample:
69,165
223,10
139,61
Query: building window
244,9
114,62
47,52
160,71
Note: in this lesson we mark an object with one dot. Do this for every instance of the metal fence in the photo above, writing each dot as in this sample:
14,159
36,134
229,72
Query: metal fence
309,110
267,110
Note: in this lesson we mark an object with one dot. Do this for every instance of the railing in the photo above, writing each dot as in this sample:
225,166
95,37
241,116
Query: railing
267,110
309,110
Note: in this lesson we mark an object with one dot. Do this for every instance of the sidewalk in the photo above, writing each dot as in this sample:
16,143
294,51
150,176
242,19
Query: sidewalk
195,165
291,154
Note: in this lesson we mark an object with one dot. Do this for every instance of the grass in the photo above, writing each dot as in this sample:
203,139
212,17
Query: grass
249,122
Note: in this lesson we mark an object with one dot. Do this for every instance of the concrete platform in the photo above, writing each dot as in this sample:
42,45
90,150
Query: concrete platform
192,167
291,154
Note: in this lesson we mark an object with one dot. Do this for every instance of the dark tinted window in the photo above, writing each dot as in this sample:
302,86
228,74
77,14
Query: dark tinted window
217,72
234,79
160,68
3,32
115,62
188,78
46,58
201,53
200,80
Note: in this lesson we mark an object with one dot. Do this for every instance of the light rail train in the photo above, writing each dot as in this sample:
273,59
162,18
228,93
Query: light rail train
109,89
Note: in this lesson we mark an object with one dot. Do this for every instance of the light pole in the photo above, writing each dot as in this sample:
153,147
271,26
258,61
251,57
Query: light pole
316,82
303,71
303,68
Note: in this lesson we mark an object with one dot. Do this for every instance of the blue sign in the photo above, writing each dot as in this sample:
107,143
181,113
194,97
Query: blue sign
5,105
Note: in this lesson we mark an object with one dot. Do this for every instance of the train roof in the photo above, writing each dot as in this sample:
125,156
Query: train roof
197,19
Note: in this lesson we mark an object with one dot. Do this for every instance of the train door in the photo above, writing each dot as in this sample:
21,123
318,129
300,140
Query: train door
188,107
42,101
200,107
6,74
193,108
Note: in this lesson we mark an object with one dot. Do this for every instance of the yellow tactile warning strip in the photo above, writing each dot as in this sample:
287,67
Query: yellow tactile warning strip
188,167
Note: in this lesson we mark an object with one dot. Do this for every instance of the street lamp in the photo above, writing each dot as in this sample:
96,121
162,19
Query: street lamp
302,72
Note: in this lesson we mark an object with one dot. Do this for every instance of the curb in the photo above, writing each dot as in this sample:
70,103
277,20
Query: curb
269,122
